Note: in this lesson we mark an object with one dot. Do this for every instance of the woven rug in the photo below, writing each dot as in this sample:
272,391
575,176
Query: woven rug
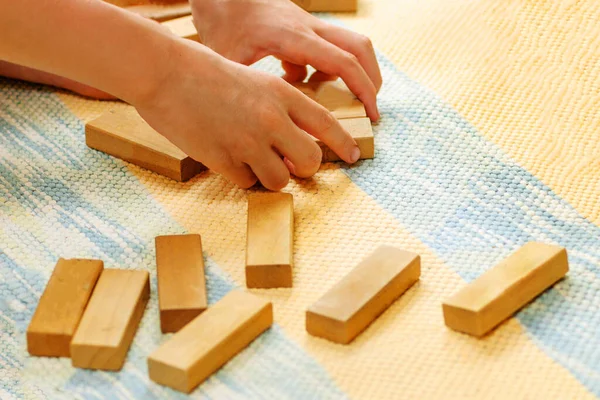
490,137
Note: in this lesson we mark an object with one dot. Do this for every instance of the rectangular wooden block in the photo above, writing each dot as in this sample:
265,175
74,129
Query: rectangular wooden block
209,341
334,96
61,306
327,5
361,131
110,320
504,289
183,27
122,133
270,240
181,281
350,306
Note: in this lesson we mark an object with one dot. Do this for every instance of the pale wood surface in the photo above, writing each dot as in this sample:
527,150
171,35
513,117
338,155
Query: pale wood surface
124,134
334,96
181,280
110,320
183,27
361,131
209,341
327,5
504,289
270,236
61,306
361,296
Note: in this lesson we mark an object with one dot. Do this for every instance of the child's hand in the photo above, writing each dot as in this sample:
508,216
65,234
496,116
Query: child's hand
241,122
247,30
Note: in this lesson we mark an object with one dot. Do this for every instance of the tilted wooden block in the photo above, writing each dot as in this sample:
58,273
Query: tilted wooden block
327,5
181,281
204,345
161,12
110,320
270,240
61,306
504,289
183,27
124,134
361,131
360,297
334,96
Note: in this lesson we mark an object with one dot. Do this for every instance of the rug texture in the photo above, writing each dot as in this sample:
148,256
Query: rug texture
489,138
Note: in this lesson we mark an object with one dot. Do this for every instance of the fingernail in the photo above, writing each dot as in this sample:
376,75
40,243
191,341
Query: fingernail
354,155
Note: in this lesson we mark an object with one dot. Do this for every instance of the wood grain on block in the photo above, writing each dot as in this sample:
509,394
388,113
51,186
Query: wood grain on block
334,96
504,289
270,240
61,306
183,27
181,280
124,134
327,5
208,342
362,295
110,320
361,131
161,12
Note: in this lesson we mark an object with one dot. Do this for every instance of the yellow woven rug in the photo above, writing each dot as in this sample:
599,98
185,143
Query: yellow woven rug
490,138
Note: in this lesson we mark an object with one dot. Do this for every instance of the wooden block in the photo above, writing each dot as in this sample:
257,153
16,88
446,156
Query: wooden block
361,131
327,5
124,134
183,27
504,289
110,320
161,12
61,306
270,240
362,295
334,96
181,281
209,341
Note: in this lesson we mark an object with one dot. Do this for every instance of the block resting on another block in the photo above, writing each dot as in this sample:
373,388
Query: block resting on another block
360,297
208,342
504,289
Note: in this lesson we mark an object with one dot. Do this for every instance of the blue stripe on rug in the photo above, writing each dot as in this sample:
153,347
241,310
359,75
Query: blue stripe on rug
473,205
59,198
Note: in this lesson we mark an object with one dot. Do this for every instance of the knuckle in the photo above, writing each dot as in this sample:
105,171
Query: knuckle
364,42
269,118
326,121
350,59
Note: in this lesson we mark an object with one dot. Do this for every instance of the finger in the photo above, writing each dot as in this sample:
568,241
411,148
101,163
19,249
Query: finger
320,76
320,123
356,44
270,170
240,174
311,49
301,151
293,72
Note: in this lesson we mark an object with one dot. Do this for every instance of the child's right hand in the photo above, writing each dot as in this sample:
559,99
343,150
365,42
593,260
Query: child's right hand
242,123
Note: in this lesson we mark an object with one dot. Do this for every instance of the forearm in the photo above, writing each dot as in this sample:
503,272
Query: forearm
88,41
